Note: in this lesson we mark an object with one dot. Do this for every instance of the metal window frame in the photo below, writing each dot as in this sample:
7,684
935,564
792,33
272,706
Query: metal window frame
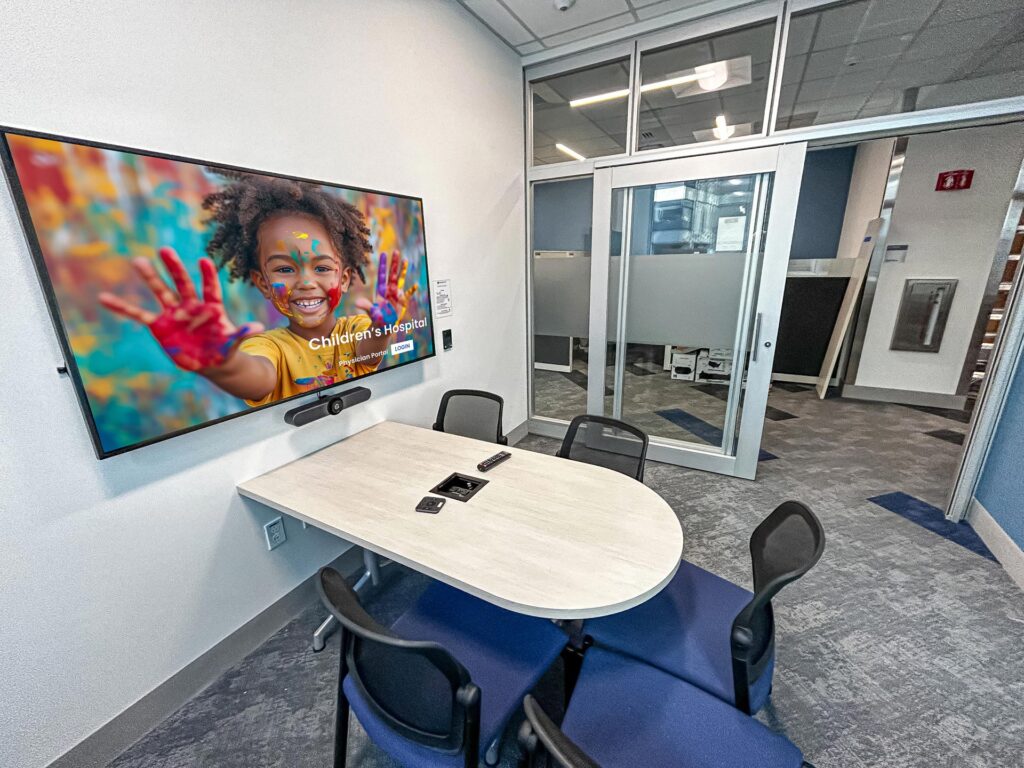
786,162
727,22
608,54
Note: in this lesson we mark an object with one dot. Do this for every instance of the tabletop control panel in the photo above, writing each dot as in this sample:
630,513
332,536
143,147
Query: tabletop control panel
458,486
493,461
431,505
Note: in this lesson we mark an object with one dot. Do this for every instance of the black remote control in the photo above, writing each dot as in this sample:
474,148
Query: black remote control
497,458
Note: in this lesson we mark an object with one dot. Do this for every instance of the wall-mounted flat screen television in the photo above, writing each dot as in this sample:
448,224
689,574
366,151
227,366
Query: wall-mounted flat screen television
185,292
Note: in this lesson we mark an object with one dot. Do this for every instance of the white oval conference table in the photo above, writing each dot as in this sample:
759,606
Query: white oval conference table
545,536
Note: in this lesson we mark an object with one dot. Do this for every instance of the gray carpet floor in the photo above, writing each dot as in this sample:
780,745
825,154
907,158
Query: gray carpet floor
900,648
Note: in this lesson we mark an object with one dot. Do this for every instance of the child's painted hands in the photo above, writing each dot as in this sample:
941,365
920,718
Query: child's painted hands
391,298
196,333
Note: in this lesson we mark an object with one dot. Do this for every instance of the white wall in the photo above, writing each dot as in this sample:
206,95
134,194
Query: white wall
950,235
116,574
867,190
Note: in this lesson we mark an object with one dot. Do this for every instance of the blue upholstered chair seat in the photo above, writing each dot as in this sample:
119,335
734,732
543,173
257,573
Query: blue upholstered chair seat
626,714
684,630
505,653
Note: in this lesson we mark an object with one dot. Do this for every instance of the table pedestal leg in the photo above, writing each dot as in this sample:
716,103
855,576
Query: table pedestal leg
371,575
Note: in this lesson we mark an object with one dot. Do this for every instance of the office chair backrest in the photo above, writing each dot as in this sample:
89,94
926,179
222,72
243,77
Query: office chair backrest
606,442
783,548
471,413
417,688
538,731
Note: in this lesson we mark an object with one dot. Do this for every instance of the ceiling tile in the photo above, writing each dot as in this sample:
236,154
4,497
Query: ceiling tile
947,39
533,47
591,29
503,23
544,20
958,10
654,9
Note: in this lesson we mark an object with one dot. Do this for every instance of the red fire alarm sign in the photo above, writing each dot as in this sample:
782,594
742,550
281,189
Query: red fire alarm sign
954,181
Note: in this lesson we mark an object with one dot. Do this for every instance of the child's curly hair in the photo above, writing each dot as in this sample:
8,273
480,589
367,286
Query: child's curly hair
242,205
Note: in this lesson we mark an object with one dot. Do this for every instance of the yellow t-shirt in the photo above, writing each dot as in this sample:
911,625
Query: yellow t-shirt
300,368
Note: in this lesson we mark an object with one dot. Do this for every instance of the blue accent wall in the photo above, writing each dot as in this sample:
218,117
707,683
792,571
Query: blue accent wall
1001,489
822,204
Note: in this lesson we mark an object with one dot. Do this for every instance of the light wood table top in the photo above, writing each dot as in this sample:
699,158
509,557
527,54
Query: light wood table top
546,536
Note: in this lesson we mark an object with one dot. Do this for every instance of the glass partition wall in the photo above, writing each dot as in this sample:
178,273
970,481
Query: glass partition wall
764,75
695,251
560,271
775,68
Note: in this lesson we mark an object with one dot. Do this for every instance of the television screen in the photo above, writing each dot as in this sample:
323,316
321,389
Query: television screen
186,293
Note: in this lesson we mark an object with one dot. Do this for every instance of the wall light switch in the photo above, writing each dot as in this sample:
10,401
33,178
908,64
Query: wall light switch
275,534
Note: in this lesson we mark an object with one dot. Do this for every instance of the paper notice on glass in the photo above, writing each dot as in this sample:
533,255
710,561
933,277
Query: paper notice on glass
731,231
442,299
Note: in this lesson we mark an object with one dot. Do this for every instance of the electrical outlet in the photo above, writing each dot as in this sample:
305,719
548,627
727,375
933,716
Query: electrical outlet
275,534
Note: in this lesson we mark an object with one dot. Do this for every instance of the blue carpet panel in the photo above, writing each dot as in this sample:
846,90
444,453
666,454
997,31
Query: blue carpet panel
964,417
722,393
579,378
949,435
709,433
934,519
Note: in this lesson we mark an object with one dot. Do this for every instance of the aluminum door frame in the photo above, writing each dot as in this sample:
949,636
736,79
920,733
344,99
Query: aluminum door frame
786,162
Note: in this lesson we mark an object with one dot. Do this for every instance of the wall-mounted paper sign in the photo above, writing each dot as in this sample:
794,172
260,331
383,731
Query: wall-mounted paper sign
442,297
731,230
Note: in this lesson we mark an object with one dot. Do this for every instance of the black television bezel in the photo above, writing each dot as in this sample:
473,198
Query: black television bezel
43,275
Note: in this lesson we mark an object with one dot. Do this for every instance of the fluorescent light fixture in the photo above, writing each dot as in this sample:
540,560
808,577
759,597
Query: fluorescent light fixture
570,152
691,78
735,182
722,129
599,97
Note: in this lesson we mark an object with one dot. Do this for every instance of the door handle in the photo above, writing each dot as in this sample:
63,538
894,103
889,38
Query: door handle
757,338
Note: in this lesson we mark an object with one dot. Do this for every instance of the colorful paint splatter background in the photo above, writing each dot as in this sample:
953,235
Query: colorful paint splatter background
95,209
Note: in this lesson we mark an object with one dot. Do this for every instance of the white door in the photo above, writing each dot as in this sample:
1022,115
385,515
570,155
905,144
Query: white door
688,268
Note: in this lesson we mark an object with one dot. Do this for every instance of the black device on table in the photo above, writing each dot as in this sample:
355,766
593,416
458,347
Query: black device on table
430,504
494,460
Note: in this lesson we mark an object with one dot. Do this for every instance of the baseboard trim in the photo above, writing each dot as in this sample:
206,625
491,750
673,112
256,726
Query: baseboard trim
798,378
518,432
905,397
123,730
1009,555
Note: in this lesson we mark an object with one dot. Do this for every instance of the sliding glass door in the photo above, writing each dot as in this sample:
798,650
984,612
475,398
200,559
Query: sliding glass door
687,274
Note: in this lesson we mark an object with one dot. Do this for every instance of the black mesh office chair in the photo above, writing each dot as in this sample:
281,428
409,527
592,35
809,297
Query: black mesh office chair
471,413
606,442
443,681
713,633
784,547
415,688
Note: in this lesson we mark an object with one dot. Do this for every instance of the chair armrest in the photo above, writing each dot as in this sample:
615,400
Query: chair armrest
540,727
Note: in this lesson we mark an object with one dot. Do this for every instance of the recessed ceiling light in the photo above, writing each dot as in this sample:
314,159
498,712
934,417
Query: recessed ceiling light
570,152
722,129
735,182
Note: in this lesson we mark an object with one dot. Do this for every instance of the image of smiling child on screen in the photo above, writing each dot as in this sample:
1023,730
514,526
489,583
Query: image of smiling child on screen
301,247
